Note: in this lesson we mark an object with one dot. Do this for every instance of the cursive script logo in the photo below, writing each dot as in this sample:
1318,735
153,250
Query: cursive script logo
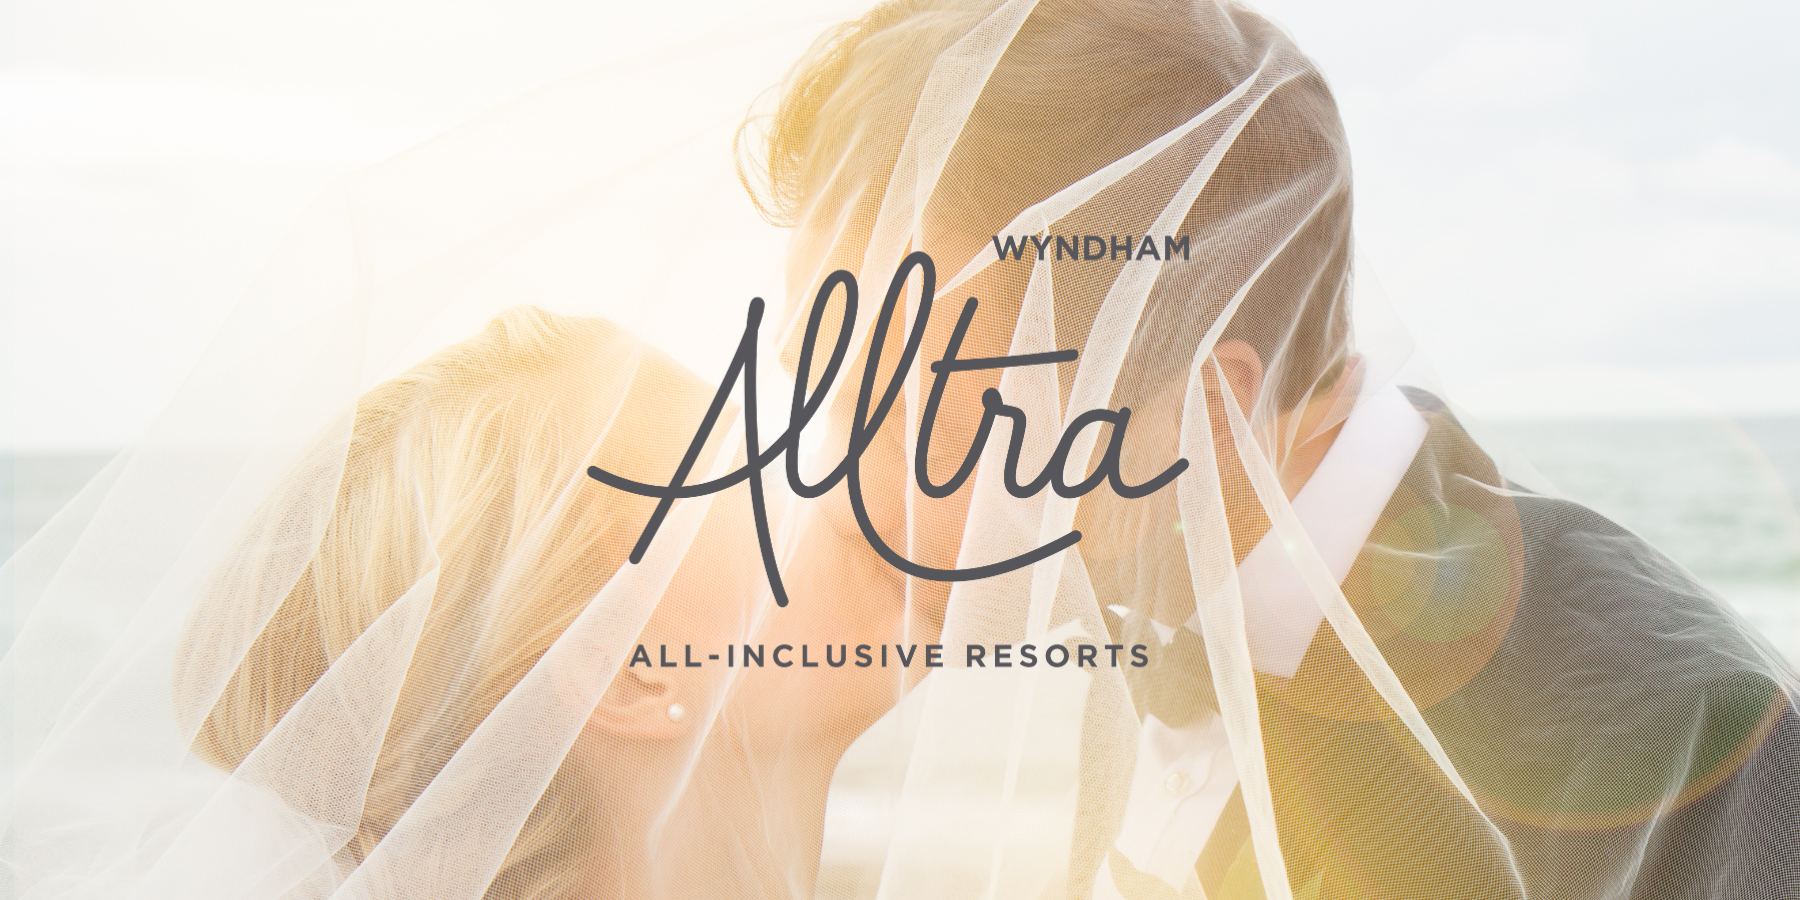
868,420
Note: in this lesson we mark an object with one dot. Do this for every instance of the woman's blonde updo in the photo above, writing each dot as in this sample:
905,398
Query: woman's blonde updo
471,462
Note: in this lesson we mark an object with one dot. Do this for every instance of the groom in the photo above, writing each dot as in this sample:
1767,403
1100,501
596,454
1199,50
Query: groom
1620,732
1614,721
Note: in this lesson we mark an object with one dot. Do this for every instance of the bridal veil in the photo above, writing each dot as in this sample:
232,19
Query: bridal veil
357,618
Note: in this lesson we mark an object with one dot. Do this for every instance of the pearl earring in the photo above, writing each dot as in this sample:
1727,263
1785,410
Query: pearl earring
676,712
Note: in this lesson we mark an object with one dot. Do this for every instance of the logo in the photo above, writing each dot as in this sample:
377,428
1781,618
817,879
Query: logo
870,413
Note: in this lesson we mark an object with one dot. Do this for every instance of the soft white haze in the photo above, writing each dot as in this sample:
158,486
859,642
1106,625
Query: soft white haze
1623,178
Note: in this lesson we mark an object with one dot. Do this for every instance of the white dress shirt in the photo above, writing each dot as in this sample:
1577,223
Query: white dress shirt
1185,776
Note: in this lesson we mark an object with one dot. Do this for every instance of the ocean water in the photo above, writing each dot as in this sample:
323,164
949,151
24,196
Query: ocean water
36,485
1718,496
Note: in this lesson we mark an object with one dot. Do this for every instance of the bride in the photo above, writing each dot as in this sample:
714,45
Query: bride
317,638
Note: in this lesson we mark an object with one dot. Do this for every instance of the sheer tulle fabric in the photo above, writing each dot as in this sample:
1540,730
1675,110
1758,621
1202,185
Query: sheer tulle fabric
352,620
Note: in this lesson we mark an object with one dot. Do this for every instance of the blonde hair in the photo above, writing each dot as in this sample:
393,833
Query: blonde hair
1096,82
467,461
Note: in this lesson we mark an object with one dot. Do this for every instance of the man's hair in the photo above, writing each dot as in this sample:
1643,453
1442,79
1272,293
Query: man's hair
1078,87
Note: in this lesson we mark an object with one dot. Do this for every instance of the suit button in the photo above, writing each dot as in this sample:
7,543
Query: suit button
1175,783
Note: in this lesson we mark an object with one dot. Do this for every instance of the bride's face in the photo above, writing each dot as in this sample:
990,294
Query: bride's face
770,676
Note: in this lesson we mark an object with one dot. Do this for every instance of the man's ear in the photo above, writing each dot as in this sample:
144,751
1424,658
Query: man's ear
1243,368
642,703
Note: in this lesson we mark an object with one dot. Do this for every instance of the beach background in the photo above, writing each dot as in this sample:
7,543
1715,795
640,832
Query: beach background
1718,495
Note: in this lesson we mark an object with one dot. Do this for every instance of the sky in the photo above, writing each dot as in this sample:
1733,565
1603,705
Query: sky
1579,208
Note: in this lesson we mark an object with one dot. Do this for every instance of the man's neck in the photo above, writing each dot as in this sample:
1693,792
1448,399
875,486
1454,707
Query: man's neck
1305,422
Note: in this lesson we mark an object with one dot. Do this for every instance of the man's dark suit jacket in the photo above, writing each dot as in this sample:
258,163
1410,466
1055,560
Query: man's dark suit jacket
1624,732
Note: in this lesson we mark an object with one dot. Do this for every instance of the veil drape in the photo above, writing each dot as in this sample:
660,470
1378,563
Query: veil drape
356,618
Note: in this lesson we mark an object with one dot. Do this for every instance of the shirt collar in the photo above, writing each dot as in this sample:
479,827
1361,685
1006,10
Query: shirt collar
1337,507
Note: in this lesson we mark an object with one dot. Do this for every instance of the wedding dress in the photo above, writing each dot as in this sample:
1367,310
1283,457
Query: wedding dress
505,546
